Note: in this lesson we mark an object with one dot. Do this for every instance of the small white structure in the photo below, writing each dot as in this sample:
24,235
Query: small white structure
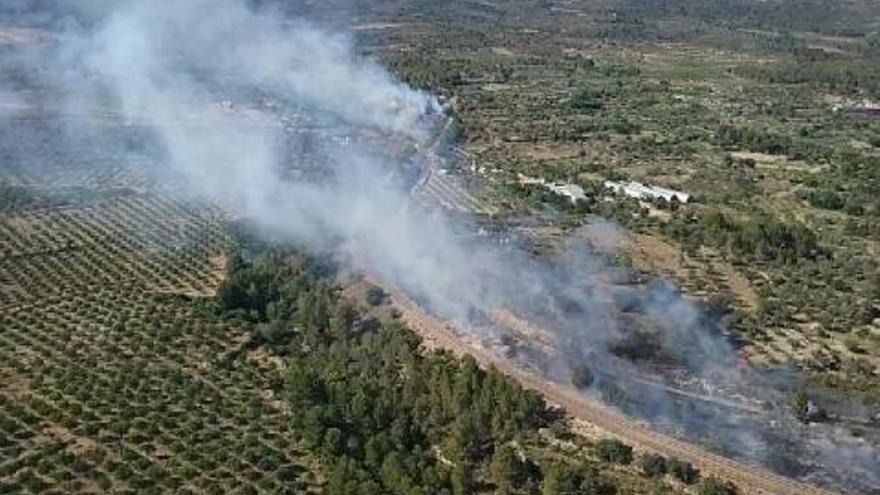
525,180
640,191
573,192
864,106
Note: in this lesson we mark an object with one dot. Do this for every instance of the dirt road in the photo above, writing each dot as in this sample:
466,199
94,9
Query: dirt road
750,479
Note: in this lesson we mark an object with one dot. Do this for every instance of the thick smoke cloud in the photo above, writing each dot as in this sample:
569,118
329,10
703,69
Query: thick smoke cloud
220,89
148,49
165,67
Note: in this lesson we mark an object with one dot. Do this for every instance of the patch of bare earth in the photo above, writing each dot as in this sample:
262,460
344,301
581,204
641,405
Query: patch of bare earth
775,162
263,357
12,384
657,255
218,270
500,50
758,157
546,151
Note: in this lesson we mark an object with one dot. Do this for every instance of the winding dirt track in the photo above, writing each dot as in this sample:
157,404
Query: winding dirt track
750,479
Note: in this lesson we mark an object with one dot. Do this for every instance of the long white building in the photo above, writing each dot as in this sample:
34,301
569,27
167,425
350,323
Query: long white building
641,191
573,192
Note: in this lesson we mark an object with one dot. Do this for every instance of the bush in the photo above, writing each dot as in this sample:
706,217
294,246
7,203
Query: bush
615,451
683,470
762,140
561,478
799,404
653,465
854,207
581,375
824,198
714,486
375,295
506,468
587,101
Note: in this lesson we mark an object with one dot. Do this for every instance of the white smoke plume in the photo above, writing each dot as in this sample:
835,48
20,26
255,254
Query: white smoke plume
164,64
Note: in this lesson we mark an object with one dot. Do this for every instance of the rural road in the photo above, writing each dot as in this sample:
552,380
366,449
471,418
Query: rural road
750,479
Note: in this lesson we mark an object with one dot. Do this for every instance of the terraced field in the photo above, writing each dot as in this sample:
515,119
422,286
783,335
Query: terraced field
151,242
111,379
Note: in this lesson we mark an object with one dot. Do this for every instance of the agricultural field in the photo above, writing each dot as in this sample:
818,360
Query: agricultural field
136,241
112,381
138,399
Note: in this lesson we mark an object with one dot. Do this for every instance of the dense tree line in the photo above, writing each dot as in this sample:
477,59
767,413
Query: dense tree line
730,136
435,74
853,76
825,16
381,414
851,184
762,238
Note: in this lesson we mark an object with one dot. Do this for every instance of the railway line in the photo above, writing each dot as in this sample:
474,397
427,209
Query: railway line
437,187
750,479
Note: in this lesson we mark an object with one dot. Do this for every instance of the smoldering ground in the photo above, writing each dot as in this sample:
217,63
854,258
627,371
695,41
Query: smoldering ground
284,123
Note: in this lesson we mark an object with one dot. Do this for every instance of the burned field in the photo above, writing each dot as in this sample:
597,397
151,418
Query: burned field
706,394
638,346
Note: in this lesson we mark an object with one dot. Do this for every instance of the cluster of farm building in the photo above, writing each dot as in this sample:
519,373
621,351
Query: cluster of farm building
631,189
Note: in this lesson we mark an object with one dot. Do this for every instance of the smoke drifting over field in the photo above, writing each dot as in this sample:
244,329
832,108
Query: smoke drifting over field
166,69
